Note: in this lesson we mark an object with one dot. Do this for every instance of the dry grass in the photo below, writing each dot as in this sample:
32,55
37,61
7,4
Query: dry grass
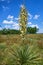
7,41
30,38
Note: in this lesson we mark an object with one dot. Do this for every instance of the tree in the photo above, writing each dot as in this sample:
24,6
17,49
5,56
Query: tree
32,30
9,31
4,31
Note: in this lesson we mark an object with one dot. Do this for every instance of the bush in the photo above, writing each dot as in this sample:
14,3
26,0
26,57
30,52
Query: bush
32,30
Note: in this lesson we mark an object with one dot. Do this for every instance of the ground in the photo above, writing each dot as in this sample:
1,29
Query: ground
7,41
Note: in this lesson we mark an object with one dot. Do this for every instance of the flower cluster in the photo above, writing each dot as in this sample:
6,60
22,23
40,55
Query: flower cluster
23,21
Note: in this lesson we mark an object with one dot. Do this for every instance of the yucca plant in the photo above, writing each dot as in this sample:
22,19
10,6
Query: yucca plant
24,55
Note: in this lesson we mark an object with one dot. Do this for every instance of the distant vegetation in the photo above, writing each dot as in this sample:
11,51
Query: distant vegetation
9,31
30,30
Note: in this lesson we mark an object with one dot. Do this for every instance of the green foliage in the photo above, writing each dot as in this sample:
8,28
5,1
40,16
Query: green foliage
9,31
12,31
32,30
22,55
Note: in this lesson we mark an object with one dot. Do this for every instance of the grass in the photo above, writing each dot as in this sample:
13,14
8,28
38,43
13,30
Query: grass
30,38
10,43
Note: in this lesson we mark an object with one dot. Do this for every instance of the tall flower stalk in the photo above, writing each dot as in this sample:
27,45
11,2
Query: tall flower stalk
23,21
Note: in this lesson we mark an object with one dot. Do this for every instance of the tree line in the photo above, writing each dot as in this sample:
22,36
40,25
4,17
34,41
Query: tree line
30,30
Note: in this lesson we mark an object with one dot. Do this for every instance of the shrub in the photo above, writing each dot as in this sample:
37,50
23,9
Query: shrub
24,55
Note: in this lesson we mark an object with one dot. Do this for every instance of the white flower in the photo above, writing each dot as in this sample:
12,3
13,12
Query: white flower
21,31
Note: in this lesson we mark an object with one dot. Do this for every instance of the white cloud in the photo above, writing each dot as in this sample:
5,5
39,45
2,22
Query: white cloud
30,16
15,26
7,26
40,30
10,17
21,6
17,18
7,22
0,28
36,16
35,25
29,23
11,24
33,17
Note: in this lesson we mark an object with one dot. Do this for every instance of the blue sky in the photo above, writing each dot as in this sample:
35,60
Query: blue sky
10,10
